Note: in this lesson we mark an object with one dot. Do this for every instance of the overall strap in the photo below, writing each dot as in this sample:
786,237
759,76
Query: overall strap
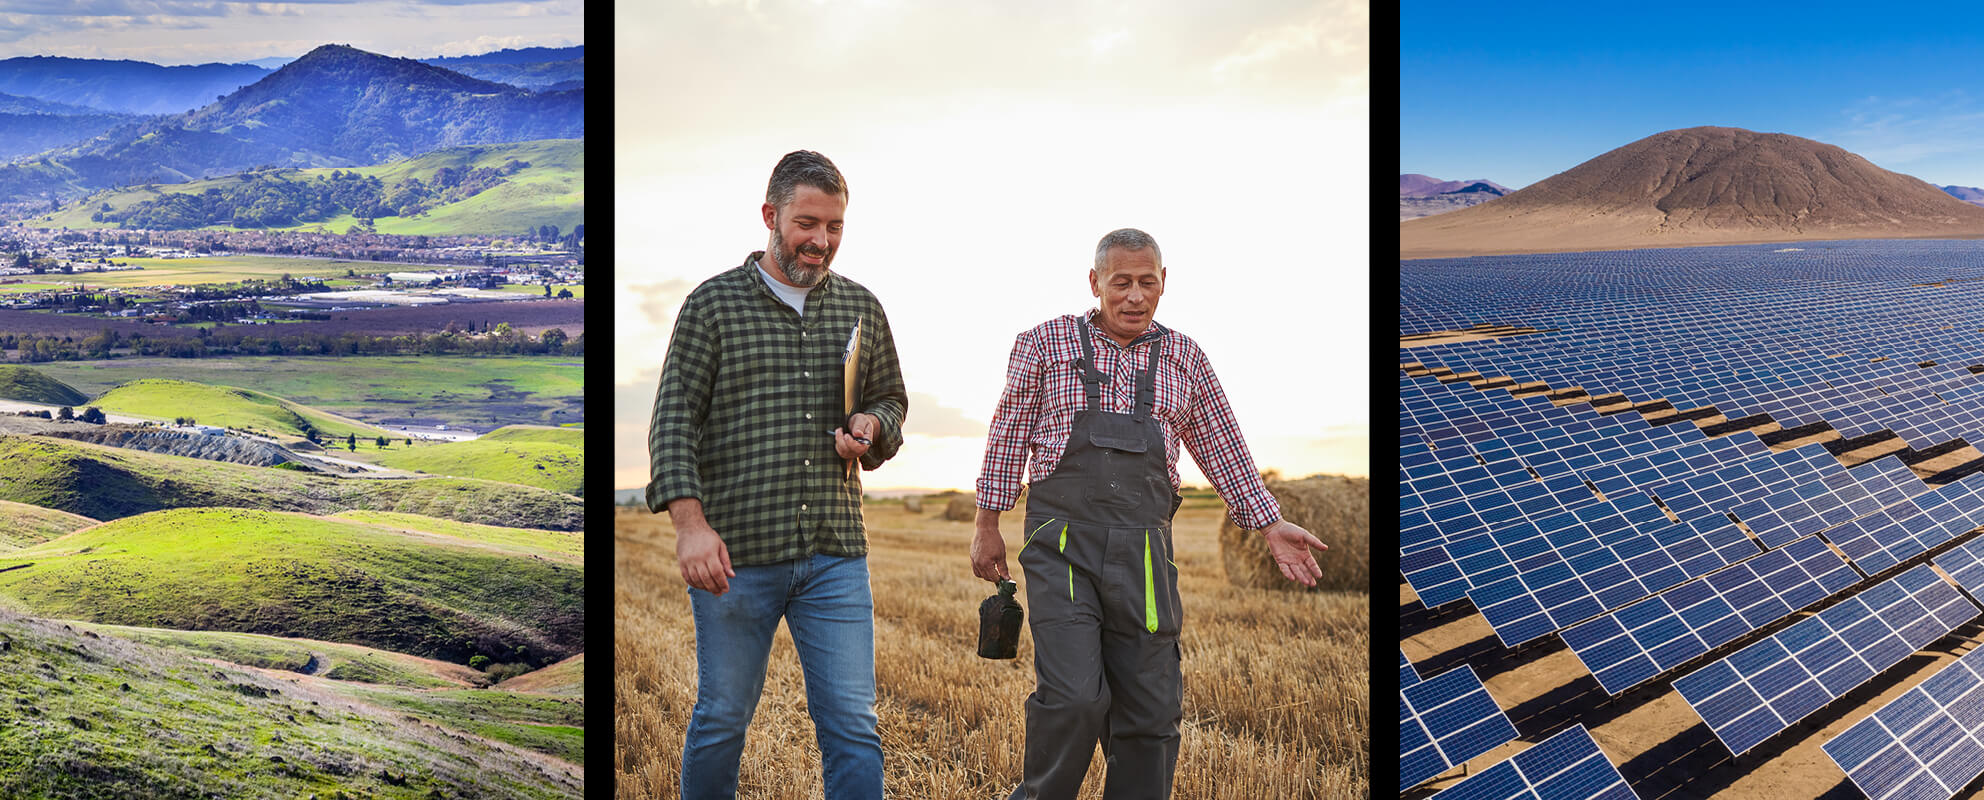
1092,378
1147,382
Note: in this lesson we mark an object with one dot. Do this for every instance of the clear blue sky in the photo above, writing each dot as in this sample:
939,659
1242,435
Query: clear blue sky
1517,92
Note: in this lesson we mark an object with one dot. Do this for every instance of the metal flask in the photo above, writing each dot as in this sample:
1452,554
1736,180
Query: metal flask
999,619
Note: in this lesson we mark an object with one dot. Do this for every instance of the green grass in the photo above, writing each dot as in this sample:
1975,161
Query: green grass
550,191
111,483
568,547
23,525
7,288
553,725
456,390
334,660
98,716
285,574
25,383
220,269
566,677
548,458
578,289
228,407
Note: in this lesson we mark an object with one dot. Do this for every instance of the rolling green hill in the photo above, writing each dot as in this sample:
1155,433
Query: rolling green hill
23,383
228,407
548,458
110,483
286,574
97,716
551,191
22,525
329,659
554,545
566,678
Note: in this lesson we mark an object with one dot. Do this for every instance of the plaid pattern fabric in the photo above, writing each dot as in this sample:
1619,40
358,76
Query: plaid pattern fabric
1044,390
748,394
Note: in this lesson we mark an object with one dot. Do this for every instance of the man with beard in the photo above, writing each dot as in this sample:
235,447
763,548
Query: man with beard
746,452
1094,408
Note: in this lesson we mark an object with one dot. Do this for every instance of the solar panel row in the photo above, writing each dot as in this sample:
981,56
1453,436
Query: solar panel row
1809,508
1445,720
1634,644
1407,676
1567,766
1913,525
1927,743
1766,687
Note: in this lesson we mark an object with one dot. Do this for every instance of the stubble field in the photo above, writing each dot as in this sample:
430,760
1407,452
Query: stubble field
1276,683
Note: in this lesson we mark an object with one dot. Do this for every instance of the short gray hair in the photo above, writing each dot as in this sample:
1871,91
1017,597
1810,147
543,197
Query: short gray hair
1128,239
803,167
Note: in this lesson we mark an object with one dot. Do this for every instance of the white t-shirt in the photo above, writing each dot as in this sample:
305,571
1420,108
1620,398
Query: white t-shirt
794,296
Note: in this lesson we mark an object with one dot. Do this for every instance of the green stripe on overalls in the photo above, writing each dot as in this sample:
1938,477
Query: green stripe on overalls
1150,591
1071,564
1036,532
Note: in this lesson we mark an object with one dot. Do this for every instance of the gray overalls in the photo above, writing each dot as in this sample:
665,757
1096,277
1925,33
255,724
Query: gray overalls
1103,597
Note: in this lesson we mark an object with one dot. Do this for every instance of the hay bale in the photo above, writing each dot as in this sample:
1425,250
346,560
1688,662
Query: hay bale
962,508
1334,508
913,504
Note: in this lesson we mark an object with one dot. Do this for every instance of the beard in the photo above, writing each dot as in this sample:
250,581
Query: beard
789,264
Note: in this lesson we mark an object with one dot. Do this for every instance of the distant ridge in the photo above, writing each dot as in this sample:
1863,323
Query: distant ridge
1968,194
1425,196
1700,186
1416,185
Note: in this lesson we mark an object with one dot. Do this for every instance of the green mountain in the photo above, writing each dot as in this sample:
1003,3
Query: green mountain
335,106
295,575
548,458
111,483
90,714
24,383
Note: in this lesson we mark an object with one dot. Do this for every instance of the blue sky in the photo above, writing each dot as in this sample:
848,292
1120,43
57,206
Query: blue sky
1517,92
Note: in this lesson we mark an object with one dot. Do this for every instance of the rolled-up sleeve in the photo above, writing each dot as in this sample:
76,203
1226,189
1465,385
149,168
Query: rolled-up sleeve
1012,427
681,405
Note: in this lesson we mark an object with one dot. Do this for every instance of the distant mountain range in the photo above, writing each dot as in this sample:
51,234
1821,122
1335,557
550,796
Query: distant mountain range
539,68
1699,186
1425,196
335,106
1968,194
133,87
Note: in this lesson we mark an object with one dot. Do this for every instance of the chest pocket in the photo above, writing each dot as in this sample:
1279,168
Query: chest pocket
1118,443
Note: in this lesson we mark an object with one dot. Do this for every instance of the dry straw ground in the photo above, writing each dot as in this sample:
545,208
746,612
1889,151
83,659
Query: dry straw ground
1276,683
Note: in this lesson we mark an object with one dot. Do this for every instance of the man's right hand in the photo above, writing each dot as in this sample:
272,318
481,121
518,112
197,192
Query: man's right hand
699,551
988,549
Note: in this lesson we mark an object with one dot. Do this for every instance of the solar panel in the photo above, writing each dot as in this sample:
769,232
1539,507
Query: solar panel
1407,676
1770,685
1927,743
1913,525
1634,644
1445,720
1567,766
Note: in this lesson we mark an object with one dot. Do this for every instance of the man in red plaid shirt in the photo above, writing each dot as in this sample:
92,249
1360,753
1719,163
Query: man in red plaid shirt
1095,407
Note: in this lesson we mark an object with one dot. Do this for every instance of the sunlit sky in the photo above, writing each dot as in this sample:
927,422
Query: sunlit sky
176,32
987,147
1517,92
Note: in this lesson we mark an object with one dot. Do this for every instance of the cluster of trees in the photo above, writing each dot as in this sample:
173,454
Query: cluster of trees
276,199
92,415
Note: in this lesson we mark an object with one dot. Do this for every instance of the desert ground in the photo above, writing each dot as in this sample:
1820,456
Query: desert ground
1276,683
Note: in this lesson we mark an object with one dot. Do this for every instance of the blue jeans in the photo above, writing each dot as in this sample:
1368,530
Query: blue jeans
826,603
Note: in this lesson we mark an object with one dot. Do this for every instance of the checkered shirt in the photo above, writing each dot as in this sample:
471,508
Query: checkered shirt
749,392
1044,391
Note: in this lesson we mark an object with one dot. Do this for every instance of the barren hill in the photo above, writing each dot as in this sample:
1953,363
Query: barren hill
1700,186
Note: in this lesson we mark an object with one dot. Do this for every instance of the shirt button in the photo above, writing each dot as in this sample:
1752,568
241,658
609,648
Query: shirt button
809,462
802,506
807,374
809,416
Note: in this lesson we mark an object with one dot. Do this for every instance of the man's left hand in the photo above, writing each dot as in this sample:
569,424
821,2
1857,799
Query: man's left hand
1290,544
864,426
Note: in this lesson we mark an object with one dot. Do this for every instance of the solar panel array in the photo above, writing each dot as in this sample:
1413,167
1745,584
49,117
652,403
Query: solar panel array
1766,687
1634,644
1927,743
1407,676
1913,525
1808,508
1567,766
1965,565
1445,720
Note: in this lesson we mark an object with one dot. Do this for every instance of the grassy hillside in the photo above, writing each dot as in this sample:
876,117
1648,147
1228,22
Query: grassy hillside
110,483
566,677
553,725
24,383
300,576
328,659
548,458
98,716
22,525
227,407
551,191
554,545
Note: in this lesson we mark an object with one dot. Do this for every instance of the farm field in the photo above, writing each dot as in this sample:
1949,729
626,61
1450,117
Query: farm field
1654,493
1276,683
529,316
218,269
379,390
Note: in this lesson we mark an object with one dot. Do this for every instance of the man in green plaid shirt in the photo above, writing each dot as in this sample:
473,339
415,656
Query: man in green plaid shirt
749,454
